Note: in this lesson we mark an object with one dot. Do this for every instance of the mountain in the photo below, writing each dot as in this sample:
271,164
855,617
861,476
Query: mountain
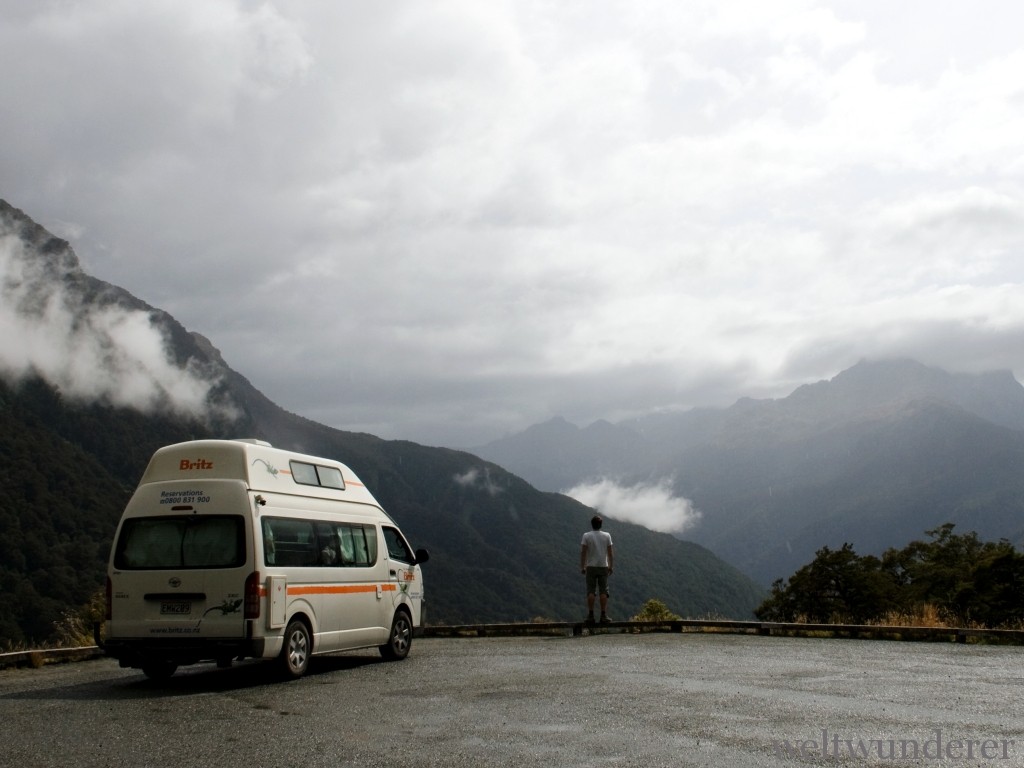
875,456
93,380
556,454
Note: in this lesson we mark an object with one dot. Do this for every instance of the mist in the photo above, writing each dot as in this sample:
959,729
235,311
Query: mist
475,477
652,505
87,351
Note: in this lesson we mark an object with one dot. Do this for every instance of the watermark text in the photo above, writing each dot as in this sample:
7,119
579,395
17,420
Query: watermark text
936,746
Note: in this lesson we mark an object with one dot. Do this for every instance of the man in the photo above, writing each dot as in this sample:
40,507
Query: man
596,564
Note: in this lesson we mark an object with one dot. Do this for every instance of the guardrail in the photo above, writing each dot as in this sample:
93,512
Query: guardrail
725,626
41,657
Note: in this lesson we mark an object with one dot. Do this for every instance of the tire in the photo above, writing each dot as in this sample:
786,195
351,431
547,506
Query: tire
298,646
400,639
159,670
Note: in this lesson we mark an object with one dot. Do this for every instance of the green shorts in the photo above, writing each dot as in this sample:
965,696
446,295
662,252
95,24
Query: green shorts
597,580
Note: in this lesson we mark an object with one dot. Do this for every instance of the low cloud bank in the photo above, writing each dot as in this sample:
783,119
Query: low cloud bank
89,352
652,505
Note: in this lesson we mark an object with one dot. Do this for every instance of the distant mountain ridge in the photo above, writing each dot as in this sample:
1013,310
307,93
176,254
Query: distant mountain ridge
994,396
73,445
877,455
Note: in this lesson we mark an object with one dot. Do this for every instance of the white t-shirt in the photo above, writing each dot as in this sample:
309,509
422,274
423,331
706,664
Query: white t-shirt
597,544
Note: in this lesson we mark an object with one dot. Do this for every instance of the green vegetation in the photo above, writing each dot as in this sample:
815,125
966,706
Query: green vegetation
655,610
66,471
75,629
952,578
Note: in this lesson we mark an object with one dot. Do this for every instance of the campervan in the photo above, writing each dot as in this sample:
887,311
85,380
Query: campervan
232,549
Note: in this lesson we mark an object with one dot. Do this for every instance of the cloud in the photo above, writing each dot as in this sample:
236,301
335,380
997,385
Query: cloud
88,351
477,477
459,218
652,505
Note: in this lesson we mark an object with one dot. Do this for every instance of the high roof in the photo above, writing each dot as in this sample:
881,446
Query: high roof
260,466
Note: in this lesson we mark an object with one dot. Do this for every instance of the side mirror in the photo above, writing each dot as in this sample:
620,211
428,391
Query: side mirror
422,556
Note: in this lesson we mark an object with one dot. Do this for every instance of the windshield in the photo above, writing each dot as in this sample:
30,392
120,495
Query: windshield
195,541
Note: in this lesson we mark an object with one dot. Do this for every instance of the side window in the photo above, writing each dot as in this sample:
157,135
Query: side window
317,474
269,545
330,477
398,548
304,474
358,545
348,545
365,545
289,542
371,542
328,545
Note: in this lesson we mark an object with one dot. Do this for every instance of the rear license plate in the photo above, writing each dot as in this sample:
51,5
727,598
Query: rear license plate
177,608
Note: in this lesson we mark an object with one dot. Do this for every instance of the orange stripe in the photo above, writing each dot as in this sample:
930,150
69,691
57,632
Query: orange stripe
346,589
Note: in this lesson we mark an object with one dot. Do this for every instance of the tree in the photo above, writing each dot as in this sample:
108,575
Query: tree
957,573
837,586
967,580
999,591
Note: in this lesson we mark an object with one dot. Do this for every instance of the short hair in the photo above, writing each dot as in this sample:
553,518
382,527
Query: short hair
595,522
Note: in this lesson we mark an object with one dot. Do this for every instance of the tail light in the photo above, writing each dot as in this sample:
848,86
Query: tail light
108,612
252,595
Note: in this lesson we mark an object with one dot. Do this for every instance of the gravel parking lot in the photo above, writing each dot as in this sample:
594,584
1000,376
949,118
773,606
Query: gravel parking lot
614,699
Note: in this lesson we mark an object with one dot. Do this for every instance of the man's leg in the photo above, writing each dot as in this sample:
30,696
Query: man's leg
603,589
591,594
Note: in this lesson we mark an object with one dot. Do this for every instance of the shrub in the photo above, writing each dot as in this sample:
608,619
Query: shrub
655,610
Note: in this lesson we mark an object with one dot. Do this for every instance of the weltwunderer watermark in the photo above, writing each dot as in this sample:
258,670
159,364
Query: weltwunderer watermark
935,746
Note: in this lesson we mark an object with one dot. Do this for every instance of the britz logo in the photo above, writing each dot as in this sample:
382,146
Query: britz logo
186,465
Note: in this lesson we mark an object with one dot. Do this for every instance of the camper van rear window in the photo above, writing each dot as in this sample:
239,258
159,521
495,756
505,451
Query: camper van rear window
192,541
317,474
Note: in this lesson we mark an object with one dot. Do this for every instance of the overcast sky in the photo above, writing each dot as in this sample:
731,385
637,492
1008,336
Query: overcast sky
445,221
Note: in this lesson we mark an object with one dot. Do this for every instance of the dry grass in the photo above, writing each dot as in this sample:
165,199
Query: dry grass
926,615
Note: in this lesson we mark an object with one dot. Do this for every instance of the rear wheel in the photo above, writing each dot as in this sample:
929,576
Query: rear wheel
294,659
159,670
400,640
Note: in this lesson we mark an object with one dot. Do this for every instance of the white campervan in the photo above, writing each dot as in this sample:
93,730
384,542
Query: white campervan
232,549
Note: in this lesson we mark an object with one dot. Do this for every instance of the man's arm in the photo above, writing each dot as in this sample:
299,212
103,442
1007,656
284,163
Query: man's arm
583,558
610,558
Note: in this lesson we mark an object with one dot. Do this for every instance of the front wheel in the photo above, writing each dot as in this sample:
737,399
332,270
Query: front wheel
400,640
294,659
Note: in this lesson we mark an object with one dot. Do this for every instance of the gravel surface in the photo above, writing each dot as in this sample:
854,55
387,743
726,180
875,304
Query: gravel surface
609,699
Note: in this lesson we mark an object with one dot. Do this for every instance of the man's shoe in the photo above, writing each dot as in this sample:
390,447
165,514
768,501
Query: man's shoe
590,618
605,619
